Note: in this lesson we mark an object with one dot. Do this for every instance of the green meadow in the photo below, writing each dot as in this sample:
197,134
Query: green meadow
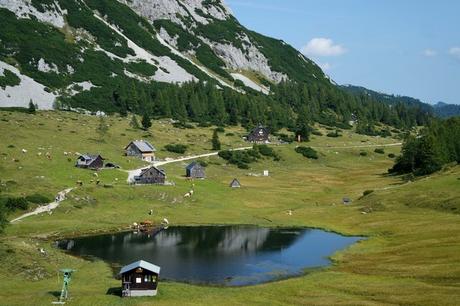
411,254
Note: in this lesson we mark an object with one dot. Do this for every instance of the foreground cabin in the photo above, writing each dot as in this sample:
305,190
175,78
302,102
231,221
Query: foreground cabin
151,175
139,278
195,170
141,149
235,184
260,134
90,161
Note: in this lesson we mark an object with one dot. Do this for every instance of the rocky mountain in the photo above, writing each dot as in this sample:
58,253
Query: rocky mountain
77,52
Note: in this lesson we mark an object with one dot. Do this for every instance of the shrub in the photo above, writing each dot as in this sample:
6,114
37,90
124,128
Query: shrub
37,198
334,134
317,133
183,125
220,129
379,151
363,153
202,163
391,155
16,203
286,138
307,152
230,134
265,150
176,148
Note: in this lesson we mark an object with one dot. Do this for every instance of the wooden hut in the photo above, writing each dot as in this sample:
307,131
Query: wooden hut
139,278
141,149
195,170
90,161
151,175
235,184
260,134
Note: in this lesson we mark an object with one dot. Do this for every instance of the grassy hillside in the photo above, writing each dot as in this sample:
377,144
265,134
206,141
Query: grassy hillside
410,257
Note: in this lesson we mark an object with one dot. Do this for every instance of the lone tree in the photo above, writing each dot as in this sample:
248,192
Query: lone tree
32,108
216,145
134,123
102,128
146,121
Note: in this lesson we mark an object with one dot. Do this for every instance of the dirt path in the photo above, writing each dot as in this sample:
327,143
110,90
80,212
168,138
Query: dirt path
61,196
136,172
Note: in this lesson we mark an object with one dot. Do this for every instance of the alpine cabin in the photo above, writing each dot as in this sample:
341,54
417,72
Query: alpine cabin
151,175
260,134
235,184
195,171
139,278
141,149
90,161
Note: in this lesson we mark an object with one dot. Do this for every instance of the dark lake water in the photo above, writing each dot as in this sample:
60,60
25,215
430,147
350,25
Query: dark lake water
222,255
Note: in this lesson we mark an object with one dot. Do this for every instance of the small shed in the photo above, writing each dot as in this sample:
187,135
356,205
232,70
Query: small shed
90,161
141,149
260,134
139,278
235,184
151,175
195,170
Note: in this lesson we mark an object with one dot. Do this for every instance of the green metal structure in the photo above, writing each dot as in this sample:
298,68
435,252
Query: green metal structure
67,273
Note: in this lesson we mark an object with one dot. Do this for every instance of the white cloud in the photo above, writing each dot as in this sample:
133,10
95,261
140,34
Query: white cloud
322,47
455,51
429,52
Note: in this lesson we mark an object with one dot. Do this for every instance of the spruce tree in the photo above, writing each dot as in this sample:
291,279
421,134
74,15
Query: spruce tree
216,145
31,109
102,128
134,123
146,121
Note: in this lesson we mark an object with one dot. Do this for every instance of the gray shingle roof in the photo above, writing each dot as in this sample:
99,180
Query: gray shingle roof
89,158
144,146
141,264
193,164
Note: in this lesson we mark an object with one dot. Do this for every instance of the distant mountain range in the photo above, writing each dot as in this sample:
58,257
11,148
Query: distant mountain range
445,110
441,109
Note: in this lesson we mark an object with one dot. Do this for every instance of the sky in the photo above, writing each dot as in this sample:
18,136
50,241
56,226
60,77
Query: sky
402,47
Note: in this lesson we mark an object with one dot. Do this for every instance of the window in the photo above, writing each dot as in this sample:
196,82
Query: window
138,280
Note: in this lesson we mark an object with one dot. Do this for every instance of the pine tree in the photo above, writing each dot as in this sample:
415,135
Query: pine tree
146,121
303,128
31,109
216,145
134,123
102,128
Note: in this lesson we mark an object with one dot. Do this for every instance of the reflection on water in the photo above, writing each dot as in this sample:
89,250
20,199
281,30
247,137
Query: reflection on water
227,255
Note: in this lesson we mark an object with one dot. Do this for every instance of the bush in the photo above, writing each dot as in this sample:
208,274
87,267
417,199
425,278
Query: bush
176,148
16,203
37,198
265,150
230,134
307,152
220,129
334,134
183,125
317,133
286,138
379,151
202,163
241,159
391,155
363,153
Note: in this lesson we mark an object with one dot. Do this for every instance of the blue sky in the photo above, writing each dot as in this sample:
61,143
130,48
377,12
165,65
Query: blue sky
406,47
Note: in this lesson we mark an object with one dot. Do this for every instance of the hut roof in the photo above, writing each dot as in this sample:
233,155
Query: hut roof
89,158
147,169
193,165
141,264
235,183
143,146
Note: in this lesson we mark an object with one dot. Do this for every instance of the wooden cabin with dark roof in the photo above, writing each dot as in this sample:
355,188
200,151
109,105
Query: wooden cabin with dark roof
90,161
151,175
141,149
195,171
235,183
259,134
139,278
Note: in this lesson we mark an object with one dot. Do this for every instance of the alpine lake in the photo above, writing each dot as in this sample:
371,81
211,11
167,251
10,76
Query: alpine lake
217,255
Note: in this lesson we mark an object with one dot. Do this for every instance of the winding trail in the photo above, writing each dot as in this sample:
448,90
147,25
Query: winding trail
136,172
61,196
